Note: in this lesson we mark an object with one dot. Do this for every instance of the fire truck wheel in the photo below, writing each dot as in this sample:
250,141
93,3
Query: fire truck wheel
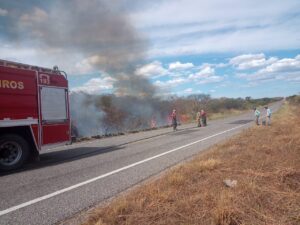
14,151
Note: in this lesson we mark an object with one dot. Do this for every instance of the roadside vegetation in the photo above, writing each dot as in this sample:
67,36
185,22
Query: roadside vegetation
107,115
294,99
263,160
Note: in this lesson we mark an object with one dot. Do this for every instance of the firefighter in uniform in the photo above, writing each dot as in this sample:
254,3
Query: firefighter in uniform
174,120
203,118
198,118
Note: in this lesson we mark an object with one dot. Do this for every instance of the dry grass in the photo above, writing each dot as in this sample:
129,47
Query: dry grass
225,113
265,161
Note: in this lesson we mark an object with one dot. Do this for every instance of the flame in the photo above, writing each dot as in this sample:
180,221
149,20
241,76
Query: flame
153,122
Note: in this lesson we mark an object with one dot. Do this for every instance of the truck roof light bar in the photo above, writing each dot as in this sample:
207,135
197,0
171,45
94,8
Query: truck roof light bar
11,64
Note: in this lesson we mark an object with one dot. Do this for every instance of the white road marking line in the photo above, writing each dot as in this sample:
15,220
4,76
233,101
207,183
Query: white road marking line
36,200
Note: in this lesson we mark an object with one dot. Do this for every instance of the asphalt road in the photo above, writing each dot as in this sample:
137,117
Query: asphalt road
72,178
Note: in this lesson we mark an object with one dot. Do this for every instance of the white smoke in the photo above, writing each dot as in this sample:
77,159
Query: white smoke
86,118
102,33
110,114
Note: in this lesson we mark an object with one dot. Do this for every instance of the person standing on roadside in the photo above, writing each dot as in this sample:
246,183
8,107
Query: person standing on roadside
203,118
257,115
174,120
198,117
268,115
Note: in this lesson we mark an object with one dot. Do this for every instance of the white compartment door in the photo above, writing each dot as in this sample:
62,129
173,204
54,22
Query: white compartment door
53,104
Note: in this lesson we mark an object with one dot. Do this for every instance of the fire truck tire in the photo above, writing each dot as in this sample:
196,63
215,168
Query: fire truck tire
14,151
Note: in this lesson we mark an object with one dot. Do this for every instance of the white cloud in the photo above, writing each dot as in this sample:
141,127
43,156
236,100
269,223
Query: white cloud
40,56
170,83
24,53
205,75
3,12
221,65
205,72
251,61
180,66
284,65
284,69
291,76
203,27
211,79
168,13
154,69
95,86
241,75
188,91
250,84
244,40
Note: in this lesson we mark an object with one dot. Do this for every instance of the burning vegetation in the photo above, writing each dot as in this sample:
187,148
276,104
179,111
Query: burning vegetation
102,115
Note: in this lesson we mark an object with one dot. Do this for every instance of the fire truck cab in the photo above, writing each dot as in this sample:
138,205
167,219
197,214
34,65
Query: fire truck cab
34,112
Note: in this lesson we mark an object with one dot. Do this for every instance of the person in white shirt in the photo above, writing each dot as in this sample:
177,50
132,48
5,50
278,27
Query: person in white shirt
268,115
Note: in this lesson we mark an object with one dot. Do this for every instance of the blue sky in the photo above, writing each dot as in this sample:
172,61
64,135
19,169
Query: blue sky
223,48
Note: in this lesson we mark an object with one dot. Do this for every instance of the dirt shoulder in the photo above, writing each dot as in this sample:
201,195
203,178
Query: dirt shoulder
265,163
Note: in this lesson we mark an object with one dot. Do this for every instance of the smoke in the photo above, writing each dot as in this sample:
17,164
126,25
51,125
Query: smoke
102,34
86,118
140,111
110,114
100,31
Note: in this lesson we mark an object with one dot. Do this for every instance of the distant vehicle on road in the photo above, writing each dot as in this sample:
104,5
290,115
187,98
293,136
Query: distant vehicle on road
34,112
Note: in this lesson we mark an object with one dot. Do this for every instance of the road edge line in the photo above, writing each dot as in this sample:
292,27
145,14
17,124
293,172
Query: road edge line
39,199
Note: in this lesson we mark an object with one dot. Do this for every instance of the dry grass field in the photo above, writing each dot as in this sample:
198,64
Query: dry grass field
265,162
226,113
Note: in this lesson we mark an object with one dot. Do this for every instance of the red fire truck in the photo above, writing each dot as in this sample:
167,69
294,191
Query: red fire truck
34,112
